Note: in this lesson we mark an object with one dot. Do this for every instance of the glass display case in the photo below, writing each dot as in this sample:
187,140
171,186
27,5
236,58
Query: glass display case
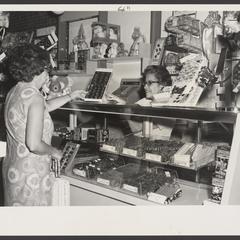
138,155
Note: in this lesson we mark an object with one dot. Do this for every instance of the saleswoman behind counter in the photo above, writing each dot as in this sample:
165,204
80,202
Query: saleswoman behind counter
154,79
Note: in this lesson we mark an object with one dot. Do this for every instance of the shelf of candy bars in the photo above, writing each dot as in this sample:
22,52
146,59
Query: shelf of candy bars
186,155
143,148
156,184
91,169
218,178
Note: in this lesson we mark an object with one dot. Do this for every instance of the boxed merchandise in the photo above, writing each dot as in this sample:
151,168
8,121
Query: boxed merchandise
218,178
92,169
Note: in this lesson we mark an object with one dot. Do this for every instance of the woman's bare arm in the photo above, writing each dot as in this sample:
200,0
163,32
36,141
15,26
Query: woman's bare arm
34,130
57,102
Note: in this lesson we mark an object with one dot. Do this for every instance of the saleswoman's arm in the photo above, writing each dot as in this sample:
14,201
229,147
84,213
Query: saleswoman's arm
57,102
34,130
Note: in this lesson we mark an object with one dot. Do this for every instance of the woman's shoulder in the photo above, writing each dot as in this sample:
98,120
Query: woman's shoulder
27,92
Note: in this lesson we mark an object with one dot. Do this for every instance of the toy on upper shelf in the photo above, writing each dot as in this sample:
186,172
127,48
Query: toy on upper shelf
113,34
99,50
4,23
138,38
112,50
213,18
99,31
231,28
121,51
188,31
105,40
79,42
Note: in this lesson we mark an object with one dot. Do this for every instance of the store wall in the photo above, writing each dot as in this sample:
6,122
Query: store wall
29,21
73,16
63,31
127,22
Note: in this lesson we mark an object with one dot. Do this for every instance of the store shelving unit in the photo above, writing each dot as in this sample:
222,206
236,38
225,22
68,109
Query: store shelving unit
194,193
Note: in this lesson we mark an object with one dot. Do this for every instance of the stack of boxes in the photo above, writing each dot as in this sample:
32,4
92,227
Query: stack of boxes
218,179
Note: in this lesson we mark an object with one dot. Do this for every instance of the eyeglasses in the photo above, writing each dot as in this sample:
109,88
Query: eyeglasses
149,83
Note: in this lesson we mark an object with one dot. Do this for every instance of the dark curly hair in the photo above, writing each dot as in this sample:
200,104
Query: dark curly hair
160,72
26,61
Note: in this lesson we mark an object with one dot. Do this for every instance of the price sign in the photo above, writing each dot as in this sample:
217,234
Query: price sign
108,148
168,174
153,157
78,172
158,198
130,152
130,188
103,181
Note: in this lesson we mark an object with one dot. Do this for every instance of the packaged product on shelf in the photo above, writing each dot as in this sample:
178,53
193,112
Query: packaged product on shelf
114,145
218,177
183,156
133,146
126,172
194,156
168,186
203,154
92,169
164,149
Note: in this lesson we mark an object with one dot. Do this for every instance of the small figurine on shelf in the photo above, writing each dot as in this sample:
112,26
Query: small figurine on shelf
112,50
99,50
138,38
79,42
112,34
98,31
213,18
4,23
121,51
103,48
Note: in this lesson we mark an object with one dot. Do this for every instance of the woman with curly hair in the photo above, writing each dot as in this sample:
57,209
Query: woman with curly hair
26,168
154,78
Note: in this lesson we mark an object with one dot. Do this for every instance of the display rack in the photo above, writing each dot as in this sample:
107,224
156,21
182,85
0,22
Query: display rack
190,189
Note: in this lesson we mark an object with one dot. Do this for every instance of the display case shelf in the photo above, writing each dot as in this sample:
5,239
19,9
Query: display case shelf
190,113
193,193
168,163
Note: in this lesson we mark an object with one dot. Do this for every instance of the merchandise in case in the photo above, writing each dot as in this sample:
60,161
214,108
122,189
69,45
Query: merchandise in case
138,170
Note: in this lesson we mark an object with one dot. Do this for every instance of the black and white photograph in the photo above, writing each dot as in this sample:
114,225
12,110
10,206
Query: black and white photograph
126,109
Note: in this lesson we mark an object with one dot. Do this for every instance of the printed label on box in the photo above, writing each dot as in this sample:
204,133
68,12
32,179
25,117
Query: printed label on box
130,188
103,181
167,173
158,198
153,157
108,148
81,173
130,152
218,182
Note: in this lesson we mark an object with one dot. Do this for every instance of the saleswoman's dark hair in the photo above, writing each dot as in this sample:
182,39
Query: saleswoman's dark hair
26,61
160,72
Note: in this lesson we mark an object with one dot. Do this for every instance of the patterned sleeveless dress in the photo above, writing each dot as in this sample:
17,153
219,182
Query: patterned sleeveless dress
26,176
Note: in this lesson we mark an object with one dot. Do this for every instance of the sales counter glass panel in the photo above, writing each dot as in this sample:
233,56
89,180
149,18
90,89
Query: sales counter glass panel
141,154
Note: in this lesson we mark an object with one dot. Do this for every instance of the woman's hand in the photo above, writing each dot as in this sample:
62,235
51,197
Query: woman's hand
78,94
115,99
57,154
